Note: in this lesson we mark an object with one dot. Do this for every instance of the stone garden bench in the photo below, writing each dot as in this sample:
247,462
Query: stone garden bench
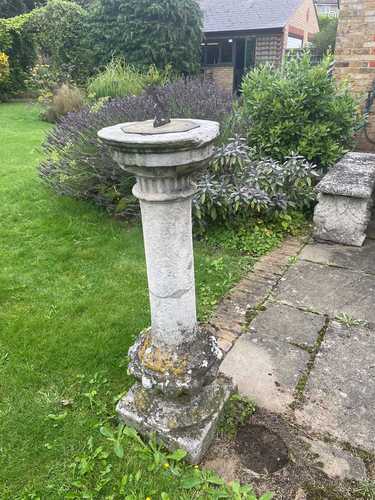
345,200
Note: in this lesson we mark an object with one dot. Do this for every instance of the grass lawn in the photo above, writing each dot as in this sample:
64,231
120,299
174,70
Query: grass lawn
73,296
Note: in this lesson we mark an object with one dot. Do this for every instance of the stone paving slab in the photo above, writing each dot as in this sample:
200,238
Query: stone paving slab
328,290
357,259
231,315
266,364
337,463
340,393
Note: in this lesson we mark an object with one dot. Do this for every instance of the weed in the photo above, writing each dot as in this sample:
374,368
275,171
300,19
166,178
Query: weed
349,321
237,412
366,490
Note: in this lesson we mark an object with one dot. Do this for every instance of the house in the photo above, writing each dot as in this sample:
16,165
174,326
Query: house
239,34
329,8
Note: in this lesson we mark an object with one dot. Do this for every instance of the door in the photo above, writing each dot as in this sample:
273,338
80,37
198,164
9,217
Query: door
244,59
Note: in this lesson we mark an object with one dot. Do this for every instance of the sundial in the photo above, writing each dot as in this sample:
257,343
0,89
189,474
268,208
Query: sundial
162,123
148,127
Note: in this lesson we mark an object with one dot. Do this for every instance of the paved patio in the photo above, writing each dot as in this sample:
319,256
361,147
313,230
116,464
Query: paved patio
308,350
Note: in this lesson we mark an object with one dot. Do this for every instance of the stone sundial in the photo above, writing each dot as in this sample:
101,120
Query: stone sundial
179,394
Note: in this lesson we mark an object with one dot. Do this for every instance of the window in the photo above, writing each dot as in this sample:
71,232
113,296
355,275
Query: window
294,43
212,53
218,52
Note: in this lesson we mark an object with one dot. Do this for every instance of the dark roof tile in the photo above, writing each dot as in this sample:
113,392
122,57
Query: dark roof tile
237,15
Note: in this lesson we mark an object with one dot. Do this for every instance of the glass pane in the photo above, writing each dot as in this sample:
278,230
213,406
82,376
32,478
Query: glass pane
294,43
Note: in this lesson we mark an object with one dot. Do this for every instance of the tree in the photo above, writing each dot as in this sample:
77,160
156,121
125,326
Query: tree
145,32
325,40
12,8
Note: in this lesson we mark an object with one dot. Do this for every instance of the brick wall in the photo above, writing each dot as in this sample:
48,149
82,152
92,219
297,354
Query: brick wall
222,76
303,22
355,55
269,48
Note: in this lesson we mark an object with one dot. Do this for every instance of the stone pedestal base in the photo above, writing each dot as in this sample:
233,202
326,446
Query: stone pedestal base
188,423
345,200
341,219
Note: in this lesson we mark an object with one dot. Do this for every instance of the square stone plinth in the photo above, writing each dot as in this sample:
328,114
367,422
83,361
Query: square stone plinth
267,362
196,439
340,394
329,290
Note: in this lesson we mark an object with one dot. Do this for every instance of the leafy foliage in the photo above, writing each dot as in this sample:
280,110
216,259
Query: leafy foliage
299,109
237,187
16,41
79,165
237,412
59,29
325,40
160,33
13,8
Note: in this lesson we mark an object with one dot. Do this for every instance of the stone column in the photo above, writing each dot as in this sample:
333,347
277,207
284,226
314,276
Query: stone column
166,220
179,394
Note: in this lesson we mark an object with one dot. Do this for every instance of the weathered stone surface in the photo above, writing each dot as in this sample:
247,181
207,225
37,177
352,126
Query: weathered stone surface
341,219
328,290
266,364
231,315
353,177
175,361
337,463
143,154
371,228
340,393
189,423
181,369
357,259
286,324
345,200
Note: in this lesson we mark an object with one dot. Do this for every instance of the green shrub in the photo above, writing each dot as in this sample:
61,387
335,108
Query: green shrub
17,42
237,188
160,33
59,30
13,8
325,40
298,109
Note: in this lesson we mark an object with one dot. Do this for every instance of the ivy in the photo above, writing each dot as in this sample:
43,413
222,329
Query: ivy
144,32
17,42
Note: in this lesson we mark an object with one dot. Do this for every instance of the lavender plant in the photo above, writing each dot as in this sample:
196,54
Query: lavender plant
77,164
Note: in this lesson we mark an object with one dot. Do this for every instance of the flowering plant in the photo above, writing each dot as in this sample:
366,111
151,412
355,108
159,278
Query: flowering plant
4,67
